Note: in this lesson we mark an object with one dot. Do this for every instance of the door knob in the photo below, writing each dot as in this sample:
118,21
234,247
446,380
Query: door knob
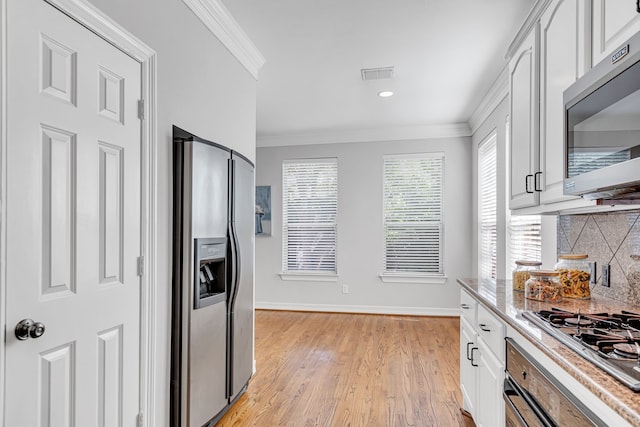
27,328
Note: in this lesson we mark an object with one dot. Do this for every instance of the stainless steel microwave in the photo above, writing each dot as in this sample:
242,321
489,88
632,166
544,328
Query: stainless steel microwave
602,129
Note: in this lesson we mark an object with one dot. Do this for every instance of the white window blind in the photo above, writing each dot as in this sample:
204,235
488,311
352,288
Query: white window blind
412,213
487,192
524,241
310,205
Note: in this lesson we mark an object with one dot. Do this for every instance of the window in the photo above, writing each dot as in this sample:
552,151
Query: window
309,205
412,214
487,201
524,241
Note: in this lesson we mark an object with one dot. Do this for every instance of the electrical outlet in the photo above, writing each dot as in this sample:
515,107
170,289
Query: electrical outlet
593,270
606,275
345,289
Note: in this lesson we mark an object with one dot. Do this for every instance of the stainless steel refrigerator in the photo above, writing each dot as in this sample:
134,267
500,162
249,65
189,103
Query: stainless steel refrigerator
212,304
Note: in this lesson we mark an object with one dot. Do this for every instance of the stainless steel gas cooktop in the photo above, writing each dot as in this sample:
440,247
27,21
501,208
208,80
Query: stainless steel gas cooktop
611,341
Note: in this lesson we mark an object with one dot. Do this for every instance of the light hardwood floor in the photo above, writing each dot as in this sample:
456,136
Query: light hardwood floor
327,369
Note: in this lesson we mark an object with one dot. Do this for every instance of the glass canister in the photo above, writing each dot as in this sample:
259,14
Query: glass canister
575,276
543,285
521,273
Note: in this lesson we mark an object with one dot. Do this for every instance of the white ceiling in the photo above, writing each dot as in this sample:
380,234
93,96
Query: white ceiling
446,54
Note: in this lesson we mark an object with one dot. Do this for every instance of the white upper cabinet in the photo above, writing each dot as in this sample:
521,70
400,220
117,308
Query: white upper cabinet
555,52
614,21
524,129
564,57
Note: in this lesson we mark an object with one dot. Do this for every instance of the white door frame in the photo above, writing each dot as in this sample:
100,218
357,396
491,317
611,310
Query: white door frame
87,14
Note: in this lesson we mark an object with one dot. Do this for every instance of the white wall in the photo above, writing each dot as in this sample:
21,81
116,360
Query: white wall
201,88
360,232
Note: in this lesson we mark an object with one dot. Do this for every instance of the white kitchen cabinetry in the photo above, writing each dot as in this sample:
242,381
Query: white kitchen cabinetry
468,372
564,57
614,21
554,54
481,362
524,128
490,383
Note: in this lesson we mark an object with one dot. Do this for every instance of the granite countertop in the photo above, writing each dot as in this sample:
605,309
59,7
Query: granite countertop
508,305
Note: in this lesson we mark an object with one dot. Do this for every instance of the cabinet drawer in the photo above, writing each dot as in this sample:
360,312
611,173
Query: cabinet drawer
468,306
491,329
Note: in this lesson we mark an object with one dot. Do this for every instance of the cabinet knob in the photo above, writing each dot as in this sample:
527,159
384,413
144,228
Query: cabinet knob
524,375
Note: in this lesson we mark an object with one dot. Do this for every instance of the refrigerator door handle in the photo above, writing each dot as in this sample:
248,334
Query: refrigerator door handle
235,266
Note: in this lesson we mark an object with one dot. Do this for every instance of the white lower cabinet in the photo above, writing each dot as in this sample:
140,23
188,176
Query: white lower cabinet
490,383
482,366
468,372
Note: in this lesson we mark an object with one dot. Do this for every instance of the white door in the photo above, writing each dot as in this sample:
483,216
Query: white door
73,223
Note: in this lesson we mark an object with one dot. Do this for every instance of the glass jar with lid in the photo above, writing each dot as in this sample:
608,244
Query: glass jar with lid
543,285
574,276
521,273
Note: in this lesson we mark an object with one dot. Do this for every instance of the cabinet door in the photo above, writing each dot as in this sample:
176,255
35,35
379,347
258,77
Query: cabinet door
614,21
563,53
524,119
490,406
468,372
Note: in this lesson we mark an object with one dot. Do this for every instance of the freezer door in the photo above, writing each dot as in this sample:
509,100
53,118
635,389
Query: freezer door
210,190
241,298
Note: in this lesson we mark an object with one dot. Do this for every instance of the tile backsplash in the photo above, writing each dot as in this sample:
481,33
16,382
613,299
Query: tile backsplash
608,238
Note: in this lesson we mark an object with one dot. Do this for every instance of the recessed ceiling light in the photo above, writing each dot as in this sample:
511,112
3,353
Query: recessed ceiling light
385,94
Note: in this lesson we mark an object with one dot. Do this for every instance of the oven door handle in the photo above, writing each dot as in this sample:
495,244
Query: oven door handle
511,389
507,401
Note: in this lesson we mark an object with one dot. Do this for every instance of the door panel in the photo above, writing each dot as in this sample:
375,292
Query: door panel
244,208
73,223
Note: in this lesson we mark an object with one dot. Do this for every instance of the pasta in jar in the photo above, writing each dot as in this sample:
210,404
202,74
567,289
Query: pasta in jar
543,286
574,276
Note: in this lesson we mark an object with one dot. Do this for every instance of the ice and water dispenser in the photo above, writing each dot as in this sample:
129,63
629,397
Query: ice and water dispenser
210,271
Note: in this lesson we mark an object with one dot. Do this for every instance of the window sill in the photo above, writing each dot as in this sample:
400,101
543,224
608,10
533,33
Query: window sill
310,277
413,278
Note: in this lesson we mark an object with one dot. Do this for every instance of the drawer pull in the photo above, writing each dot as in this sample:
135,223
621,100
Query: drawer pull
484,327
465,306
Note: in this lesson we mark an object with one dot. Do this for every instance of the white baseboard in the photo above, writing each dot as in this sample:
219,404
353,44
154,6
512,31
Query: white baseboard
364,309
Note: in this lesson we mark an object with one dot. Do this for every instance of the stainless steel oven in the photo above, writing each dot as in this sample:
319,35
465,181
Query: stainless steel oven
534,398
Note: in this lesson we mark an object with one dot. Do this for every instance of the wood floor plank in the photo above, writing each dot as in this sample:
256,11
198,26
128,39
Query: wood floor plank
352,370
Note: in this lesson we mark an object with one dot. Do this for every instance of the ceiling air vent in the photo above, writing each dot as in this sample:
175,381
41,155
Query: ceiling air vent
376,73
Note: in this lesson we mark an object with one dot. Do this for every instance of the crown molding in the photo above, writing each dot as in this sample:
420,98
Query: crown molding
366,135
531,19
496,94
219,21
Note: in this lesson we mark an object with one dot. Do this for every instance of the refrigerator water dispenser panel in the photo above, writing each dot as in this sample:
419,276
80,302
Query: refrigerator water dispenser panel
210,268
